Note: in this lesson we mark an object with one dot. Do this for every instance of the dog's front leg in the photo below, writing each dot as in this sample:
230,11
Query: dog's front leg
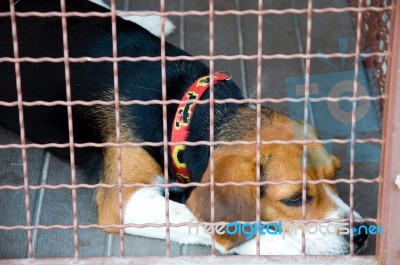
138,167
142,205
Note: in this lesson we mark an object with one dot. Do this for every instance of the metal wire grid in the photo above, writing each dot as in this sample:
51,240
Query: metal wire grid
211,13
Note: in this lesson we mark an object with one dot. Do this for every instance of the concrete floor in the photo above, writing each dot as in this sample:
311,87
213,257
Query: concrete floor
280,78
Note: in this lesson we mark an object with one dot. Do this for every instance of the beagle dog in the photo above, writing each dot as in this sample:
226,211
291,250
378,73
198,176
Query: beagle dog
142,121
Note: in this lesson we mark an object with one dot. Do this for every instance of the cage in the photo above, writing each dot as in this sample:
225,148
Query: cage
333,64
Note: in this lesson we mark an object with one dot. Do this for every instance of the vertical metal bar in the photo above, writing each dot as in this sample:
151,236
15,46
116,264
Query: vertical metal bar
353,125
165,128
21,127
258,110
388,244
117,124
212,180
241,50
70,127
301,50
305,128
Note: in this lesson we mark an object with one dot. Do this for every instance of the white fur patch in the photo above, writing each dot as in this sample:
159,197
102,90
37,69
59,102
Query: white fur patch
343,209
151,23
270,245
397,181
147,206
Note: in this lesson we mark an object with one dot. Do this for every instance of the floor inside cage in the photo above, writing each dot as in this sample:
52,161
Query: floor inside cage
282,34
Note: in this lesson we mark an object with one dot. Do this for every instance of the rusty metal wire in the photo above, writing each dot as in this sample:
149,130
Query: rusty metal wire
70,129
202,13
173,101
353,125
212,102
338,141
258,111
305,119
194,184
191,58
143,225
22,127
165,128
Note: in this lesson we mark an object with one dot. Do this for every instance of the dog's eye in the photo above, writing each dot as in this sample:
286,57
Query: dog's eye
295,201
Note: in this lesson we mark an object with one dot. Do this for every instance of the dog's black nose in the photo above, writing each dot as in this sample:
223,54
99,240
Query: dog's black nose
360,232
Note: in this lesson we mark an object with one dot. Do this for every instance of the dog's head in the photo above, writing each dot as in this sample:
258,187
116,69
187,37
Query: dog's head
278,162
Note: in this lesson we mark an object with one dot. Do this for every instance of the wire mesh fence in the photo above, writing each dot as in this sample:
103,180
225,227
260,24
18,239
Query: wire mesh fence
316,97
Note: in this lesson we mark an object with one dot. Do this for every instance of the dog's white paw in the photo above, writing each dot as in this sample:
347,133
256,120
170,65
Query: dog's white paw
153,24
147,206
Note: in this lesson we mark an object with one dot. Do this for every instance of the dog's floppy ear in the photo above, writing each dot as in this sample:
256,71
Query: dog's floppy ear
322,163
232,203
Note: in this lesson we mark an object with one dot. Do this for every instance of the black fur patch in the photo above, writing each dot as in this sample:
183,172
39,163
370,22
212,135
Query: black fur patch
91,37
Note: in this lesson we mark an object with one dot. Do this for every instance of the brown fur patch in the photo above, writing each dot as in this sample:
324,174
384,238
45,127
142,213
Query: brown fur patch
279,162
232,203
137,167
106,120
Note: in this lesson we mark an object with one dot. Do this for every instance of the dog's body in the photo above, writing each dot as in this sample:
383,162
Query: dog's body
91,37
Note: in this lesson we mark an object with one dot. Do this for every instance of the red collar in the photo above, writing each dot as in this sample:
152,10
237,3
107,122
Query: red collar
184,113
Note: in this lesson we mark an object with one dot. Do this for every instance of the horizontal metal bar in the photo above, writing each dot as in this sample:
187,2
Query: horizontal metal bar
189,58
184,224
175,101
203,260
191,184
206,143
199,13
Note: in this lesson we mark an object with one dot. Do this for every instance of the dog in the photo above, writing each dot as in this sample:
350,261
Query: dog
185,80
